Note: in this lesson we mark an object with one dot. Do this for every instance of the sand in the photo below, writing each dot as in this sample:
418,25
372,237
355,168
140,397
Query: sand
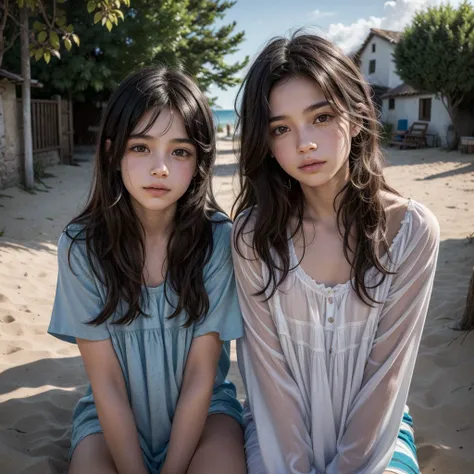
41,378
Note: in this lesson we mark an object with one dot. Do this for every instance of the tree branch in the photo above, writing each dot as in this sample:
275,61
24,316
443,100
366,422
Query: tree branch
444,99
5,16
44,14
12,42
12,17
458,101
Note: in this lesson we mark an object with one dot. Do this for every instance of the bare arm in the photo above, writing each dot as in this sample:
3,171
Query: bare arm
113,407
193,404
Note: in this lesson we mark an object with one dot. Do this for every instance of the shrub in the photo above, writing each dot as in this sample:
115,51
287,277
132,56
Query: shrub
386,132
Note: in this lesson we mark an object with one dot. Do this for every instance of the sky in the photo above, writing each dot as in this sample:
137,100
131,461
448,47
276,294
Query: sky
346,22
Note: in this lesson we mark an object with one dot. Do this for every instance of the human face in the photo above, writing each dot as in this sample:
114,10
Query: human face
158,166
310,141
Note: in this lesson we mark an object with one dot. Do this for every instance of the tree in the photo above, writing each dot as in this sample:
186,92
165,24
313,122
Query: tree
155,31
51,29
202,48
43,42
436,55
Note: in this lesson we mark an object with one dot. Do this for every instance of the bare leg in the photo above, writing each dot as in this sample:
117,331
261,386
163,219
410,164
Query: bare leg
221,448
92,456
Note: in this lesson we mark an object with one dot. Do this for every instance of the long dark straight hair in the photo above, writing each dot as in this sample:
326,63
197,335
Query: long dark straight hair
109,225
264,189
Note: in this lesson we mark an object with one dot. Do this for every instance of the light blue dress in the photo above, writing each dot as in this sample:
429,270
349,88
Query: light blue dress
152,351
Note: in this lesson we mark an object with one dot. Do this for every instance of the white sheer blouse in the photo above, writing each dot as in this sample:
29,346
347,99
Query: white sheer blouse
327,376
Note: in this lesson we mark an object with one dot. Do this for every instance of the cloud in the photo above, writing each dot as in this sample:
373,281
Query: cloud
350,37
397,15
321,14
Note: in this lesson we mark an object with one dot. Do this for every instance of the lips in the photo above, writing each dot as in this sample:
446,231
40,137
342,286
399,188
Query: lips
312,166
157,190
310,163
157,187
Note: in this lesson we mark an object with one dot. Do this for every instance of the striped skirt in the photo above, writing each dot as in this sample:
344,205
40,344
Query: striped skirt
404,460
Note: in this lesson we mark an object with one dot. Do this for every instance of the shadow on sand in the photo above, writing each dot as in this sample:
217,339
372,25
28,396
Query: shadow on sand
396,157
37,428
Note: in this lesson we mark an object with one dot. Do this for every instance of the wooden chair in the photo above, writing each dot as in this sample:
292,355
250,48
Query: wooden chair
414,137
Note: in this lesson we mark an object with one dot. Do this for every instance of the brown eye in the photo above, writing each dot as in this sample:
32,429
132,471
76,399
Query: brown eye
324,118
181,152
139,148
278,131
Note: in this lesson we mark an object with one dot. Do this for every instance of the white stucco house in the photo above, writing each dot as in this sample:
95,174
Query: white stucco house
397,100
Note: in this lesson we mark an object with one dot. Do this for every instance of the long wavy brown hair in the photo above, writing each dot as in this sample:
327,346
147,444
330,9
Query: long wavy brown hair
113,233
264,189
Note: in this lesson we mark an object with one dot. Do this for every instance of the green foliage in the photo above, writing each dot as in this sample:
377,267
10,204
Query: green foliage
51,29
39,168
386,132
436,53
202,49
154,31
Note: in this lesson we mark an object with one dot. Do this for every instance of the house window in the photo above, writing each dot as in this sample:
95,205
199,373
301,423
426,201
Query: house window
424,110
373,47
391,104
372,66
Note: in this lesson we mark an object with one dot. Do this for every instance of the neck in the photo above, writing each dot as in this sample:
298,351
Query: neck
319,201
157,224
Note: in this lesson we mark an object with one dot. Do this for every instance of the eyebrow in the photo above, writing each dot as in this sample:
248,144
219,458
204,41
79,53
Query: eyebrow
311,108
143,136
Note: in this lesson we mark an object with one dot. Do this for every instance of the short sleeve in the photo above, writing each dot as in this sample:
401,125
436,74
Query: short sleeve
77,300
224,316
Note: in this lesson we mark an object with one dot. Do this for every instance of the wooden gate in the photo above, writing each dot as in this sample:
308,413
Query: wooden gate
67,131
52,127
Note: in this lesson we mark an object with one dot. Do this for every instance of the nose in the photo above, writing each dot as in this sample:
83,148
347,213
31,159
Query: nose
306,146
159,168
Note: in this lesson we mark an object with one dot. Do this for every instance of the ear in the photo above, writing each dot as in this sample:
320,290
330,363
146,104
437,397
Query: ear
356,126
355,130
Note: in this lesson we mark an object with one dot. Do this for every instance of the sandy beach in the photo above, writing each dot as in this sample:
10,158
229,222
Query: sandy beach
42,378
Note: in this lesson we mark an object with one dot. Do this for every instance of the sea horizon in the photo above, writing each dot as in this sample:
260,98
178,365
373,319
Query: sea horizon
223,117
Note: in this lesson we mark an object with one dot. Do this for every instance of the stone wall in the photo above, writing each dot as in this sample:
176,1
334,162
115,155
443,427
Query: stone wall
12,171
11,136
47,158
2,142
10,145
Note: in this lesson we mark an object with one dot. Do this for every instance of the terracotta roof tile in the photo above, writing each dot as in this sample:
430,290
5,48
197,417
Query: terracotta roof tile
401,90
391,36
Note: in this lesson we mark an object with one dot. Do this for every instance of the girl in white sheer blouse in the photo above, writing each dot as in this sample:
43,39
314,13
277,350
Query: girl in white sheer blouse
334,271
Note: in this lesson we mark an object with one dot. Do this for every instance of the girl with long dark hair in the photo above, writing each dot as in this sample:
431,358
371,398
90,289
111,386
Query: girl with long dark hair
146,289
334,271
